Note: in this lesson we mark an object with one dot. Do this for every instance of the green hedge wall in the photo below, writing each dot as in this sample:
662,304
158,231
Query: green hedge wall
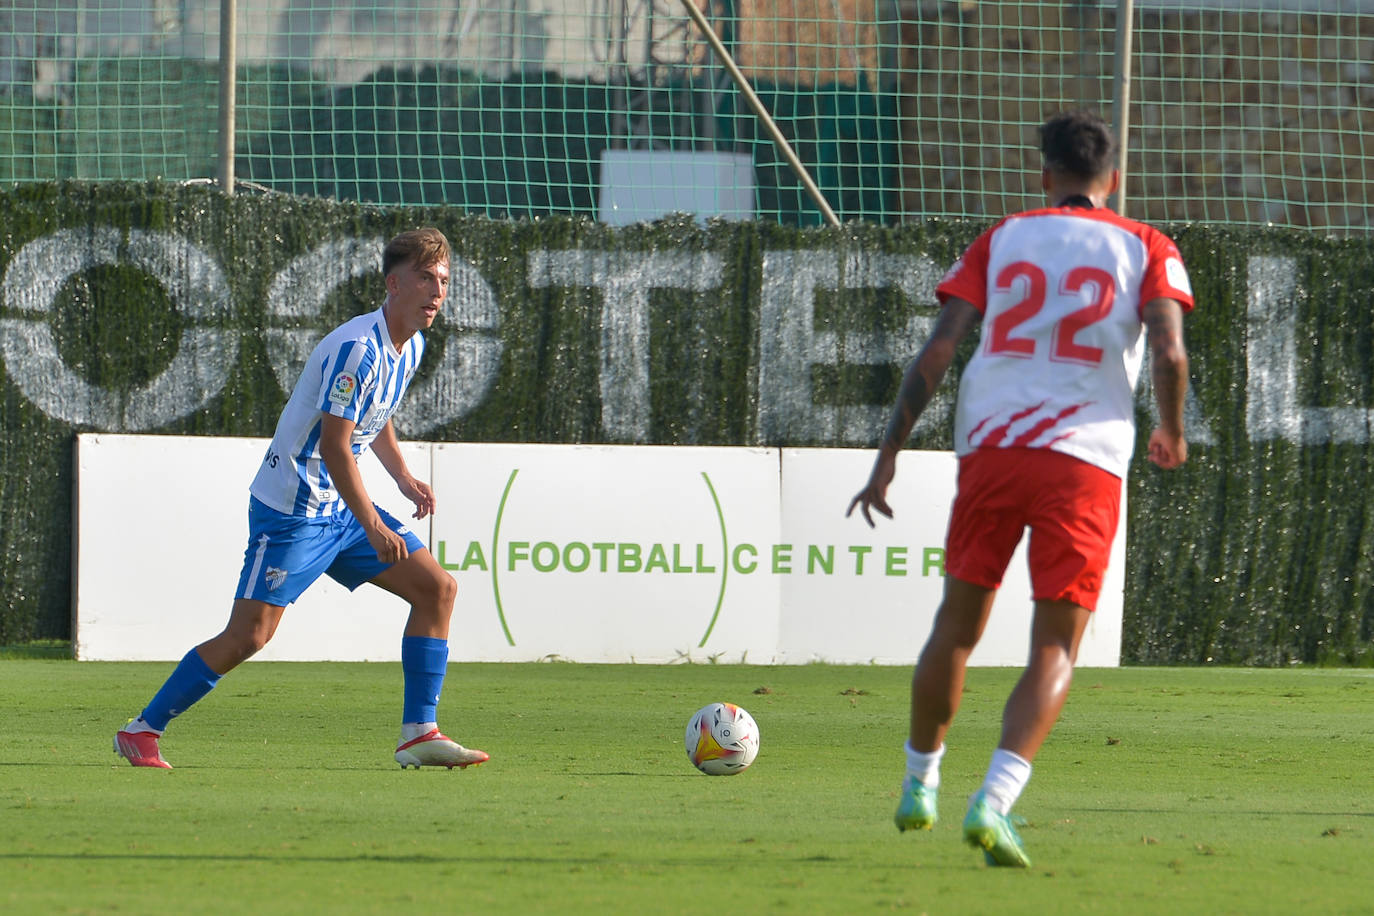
162,309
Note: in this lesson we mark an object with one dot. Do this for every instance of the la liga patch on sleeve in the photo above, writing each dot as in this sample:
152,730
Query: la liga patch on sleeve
341,392
1177,276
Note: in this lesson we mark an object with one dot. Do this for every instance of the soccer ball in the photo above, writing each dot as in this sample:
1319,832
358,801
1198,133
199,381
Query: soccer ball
721,739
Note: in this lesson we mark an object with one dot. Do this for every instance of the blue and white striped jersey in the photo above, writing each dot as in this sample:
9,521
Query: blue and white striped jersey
354,373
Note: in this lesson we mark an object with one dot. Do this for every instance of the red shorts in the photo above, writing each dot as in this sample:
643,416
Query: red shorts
1070,506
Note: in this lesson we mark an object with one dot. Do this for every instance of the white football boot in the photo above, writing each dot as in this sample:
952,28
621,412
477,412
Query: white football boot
434,749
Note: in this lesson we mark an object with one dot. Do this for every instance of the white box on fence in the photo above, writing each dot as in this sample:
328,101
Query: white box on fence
644,185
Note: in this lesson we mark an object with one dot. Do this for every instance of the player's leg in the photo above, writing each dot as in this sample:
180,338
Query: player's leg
430,591
1030,713
1037,699
1035,703
426,587
285,554
985,526
1073,520
251,625
937,683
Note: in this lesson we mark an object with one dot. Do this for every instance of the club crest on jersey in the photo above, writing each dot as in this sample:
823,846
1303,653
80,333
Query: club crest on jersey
341,392
275,577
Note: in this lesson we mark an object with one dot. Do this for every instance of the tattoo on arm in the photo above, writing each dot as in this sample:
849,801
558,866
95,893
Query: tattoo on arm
911,401
925,373
1168,359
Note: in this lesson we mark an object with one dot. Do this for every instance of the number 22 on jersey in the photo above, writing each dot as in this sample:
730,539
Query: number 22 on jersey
1064,344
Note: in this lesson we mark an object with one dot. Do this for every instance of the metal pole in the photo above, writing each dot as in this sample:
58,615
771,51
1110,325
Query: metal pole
228,56
1125,10
762,113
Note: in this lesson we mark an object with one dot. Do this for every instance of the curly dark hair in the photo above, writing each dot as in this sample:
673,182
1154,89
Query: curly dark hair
1078,143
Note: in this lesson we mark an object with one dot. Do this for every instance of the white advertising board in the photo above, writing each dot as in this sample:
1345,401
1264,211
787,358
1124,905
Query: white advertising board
582,553
161,529
606,553
879,603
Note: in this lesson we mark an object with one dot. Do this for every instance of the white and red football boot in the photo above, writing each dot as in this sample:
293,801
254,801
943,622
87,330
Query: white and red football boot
434,749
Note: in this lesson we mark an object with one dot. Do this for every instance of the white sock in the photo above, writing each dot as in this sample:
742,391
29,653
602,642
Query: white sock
412,730
924,767
138,725
1008,774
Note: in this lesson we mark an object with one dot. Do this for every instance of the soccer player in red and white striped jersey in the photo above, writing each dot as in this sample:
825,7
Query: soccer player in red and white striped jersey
1065,299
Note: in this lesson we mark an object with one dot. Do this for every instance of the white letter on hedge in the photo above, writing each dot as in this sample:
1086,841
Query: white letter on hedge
1271,355
789,344
298,293
194,284
471,357
625,279
472,351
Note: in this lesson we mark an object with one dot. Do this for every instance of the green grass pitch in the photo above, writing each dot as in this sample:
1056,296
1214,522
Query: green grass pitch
1161,791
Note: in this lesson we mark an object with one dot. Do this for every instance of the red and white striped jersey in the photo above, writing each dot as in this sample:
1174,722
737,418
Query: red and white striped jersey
1061,291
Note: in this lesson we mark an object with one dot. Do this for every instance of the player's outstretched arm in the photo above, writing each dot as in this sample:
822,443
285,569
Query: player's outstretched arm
388,450
1169,372
919,383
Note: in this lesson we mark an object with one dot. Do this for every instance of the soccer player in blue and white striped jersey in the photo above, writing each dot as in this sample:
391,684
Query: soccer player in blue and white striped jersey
309,513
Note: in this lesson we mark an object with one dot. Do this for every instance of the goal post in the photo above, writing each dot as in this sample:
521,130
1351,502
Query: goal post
1121,96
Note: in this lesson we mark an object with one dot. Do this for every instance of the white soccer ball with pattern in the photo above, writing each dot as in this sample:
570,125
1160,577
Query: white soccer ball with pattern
722,739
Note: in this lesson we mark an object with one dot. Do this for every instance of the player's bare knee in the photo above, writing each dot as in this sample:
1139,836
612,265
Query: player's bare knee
447,590
250,642
232,647
434,595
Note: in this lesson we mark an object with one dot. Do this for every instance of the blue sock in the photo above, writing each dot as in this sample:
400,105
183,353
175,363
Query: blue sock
424,661
191,680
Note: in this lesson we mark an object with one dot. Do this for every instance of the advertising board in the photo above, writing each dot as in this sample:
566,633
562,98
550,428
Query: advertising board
588,553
